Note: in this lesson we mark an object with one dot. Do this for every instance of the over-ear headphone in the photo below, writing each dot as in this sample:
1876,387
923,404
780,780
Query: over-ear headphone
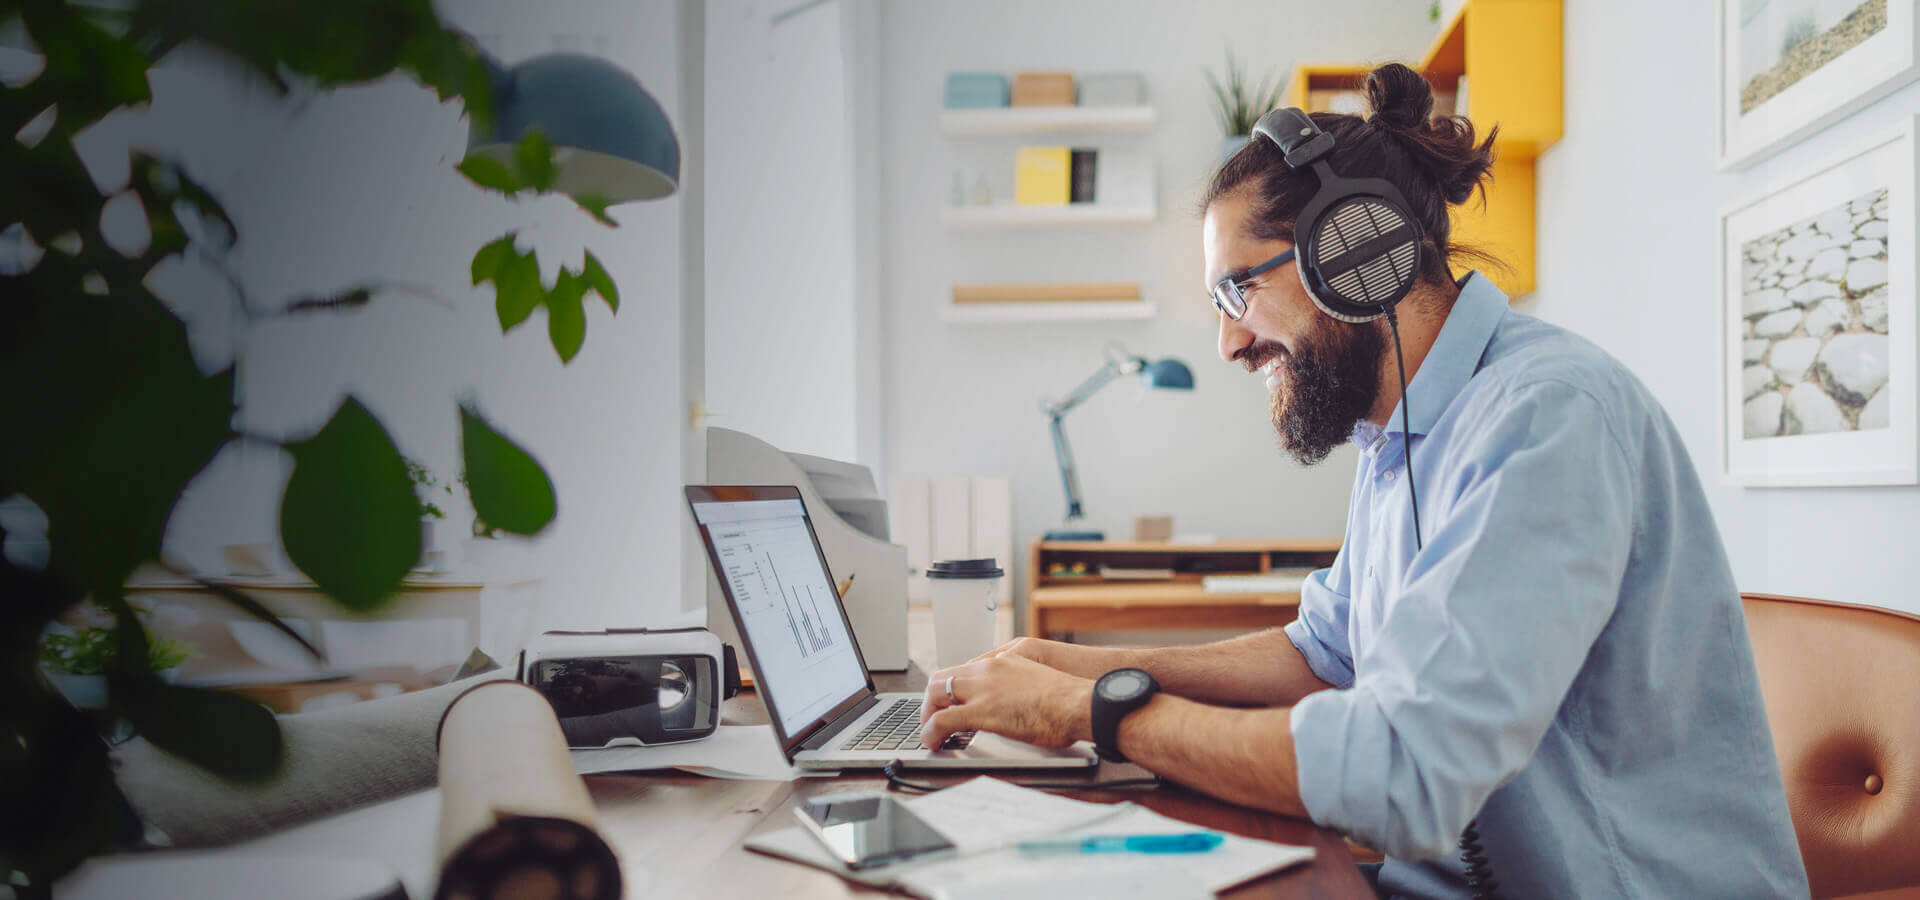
1359,247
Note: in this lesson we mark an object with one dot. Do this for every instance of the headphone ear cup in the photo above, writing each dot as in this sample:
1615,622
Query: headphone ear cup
1360,253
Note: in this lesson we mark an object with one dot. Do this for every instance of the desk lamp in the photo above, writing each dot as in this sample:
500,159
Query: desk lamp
609,135
1166,373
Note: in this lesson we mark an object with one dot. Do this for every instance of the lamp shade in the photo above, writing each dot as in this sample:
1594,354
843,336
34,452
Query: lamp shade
610,136
1167,373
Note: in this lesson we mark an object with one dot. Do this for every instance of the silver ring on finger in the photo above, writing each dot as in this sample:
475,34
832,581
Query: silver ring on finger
950,697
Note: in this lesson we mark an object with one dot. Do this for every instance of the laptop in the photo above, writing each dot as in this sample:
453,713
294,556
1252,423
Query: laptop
807,664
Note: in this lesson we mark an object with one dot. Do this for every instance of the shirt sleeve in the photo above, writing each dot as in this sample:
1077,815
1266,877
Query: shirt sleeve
1319,631
1522,568
1319,628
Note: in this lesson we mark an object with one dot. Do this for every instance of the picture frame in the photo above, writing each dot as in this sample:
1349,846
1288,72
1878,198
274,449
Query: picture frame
1807,88
1817,327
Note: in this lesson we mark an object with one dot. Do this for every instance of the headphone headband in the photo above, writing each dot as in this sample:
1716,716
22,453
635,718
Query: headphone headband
1300,141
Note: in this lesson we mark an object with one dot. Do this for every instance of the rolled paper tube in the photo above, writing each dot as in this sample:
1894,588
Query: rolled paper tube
516,823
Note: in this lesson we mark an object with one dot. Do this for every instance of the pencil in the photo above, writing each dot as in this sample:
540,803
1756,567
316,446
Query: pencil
844,585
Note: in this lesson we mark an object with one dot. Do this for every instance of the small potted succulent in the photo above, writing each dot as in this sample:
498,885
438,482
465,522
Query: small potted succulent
1240,103
76,660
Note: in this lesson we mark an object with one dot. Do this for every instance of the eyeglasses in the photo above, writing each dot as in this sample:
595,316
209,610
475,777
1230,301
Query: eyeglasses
1229,296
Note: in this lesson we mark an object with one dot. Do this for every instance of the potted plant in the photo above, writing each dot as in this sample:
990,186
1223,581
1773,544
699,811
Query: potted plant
77,660
120,414
427,488
1239,103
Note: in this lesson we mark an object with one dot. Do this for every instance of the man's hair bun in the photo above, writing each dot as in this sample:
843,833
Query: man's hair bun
1398,96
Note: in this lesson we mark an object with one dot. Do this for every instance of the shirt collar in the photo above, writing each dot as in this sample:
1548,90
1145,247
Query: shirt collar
1454,357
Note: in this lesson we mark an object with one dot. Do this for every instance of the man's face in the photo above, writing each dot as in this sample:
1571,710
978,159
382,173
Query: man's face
1322,374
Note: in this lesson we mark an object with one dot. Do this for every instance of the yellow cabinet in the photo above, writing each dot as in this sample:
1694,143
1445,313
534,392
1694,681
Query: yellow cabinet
1501,60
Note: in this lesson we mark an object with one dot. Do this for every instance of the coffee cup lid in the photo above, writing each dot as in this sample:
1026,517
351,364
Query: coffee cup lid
965,568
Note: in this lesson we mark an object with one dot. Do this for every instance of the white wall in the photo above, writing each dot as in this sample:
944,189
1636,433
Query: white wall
1628,204
964,398
358,185
781,330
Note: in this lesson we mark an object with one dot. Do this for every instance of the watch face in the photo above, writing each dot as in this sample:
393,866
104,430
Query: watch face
1122,684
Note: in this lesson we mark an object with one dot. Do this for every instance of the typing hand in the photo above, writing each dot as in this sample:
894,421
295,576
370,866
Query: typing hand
1073,659
1008,695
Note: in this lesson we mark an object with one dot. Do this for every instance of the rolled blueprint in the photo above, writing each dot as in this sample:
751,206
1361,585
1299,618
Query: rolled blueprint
516,823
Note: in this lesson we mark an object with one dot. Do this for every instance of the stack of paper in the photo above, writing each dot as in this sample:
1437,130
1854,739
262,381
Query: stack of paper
734,751
986,818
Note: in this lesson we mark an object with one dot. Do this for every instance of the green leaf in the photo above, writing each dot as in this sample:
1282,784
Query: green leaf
106,455
596,206
349,518
450,64
597,280
508,488
517,290
488,259
226,734
533,158
489,173
566,319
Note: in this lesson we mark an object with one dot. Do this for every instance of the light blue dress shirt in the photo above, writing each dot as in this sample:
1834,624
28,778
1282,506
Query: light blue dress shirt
1566,659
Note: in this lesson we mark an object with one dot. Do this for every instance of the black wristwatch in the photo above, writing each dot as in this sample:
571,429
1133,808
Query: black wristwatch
1117,693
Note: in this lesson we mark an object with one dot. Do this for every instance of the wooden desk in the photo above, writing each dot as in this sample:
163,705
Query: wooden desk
680,835
1057,604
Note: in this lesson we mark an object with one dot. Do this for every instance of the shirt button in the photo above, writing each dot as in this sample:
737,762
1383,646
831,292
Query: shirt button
1390,474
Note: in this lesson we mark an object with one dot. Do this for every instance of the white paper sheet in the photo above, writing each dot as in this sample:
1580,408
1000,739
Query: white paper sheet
734,751
985,817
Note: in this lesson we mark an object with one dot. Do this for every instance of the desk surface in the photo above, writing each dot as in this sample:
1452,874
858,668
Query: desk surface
680,835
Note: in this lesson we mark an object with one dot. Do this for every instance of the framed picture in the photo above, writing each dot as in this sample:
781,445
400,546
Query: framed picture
1817,331
1789,67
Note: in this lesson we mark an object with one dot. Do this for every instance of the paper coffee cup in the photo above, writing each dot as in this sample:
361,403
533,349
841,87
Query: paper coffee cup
966,592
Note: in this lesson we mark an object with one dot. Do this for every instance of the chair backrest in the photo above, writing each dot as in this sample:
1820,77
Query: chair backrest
1842,690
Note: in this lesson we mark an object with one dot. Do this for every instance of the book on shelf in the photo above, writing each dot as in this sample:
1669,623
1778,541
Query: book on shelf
1042,176
1123,573
1081,175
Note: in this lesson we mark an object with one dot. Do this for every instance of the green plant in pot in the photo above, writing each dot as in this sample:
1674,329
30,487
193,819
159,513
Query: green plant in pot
107,415
77,659
1239,103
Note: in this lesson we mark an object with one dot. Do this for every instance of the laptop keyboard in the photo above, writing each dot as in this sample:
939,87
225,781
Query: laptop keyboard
899,726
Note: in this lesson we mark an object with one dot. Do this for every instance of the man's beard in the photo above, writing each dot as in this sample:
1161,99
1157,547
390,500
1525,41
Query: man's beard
1330,381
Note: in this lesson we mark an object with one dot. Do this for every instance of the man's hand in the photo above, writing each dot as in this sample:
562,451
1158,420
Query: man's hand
1008,694
1073,659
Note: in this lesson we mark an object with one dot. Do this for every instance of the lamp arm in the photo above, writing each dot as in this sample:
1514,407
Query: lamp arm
1094,383
1063,455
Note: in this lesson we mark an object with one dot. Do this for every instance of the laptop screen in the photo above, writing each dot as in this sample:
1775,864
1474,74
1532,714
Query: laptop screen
789,614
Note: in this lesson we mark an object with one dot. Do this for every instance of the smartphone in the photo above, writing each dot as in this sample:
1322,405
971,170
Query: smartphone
867,829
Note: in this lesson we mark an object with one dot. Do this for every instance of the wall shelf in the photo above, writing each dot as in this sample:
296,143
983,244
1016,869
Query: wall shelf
1510,53
1045,119
1061,311
1000,215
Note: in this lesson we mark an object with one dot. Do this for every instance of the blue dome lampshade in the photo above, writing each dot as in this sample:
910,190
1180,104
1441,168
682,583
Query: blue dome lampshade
610,136
1168,373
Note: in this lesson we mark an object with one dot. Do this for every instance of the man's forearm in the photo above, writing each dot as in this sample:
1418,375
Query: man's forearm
1259,669
1246,758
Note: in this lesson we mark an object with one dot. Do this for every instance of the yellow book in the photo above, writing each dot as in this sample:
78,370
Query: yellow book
1042,176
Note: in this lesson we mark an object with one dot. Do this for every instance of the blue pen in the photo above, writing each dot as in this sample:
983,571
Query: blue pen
1194,842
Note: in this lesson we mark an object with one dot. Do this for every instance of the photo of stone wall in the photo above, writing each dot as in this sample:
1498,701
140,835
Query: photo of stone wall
1813,307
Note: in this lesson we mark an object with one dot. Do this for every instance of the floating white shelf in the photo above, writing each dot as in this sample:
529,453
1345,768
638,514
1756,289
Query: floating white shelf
1000,215
1041,119
1064,311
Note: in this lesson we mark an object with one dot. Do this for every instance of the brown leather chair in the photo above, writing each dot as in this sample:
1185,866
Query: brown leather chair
1842,689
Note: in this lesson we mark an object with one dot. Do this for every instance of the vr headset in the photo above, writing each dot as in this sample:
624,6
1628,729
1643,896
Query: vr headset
632,686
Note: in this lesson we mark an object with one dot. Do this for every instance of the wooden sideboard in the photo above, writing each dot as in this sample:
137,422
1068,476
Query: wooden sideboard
1172,596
